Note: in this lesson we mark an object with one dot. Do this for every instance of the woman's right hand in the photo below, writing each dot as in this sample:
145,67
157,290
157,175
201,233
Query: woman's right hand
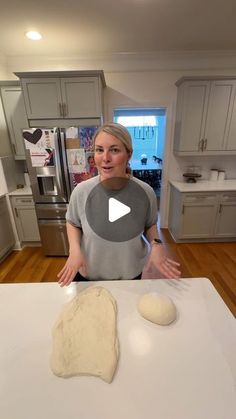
74,262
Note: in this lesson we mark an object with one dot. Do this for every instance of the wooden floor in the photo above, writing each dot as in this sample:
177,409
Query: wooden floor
216,261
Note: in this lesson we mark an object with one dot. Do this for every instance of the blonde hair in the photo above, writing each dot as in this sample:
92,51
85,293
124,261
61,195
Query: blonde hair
118,131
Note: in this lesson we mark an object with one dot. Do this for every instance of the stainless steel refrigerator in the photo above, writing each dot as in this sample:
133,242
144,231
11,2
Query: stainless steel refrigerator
57,160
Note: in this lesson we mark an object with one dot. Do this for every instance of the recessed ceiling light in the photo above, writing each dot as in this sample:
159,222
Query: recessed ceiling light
33,35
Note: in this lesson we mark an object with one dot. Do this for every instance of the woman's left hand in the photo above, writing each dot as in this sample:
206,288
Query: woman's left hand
166,266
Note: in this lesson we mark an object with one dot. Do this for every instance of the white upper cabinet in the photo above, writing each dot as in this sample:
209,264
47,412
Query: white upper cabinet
81,97
204,116
72,95
191,115
231,135
15,113
219,111
42,97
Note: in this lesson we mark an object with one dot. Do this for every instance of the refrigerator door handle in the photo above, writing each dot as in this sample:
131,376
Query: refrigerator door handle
58,166
64,163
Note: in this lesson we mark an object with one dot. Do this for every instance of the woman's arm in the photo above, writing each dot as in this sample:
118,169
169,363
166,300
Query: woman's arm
158,258
151,233
75,260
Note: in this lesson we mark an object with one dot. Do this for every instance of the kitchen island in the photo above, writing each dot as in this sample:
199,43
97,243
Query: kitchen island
186,370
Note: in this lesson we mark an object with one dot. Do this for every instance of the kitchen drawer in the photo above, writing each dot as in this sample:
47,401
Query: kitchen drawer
228,197
48,211
199,198
22,200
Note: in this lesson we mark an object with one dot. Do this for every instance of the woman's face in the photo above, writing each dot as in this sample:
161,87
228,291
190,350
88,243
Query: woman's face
111,156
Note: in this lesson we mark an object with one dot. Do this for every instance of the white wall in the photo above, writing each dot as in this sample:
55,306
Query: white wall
146,80
4,74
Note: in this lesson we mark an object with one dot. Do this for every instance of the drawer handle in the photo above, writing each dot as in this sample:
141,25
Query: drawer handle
229,198
26,200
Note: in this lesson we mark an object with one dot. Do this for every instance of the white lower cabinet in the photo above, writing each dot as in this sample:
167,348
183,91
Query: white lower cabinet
7,240
226,216
202,216
25,218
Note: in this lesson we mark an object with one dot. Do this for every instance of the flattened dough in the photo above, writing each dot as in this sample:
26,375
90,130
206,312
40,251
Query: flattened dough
85,336
157,308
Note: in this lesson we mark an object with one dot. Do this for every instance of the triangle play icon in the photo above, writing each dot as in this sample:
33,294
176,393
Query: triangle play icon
117,210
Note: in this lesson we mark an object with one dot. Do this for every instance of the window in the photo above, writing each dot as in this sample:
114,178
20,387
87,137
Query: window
147,130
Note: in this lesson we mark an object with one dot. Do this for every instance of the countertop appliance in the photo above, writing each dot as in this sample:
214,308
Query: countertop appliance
57,160
186,370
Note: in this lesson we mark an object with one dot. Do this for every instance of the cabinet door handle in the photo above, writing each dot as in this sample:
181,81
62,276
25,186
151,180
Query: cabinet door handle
64,109
183,209
200,145
14,148
205,144
61,109
16,212
220,208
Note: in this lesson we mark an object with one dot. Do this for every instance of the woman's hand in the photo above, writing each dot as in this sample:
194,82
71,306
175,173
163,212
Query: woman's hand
166,266
74,262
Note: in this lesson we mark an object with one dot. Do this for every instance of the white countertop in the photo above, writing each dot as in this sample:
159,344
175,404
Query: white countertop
186,370
21,191
205,186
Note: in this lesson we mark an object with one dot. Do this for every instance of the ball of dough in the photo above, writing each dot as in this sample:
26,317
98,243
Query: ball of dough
157,308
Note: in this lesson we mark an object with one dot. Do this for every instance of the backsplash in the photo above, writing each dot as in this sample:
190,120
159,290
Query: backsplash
226,163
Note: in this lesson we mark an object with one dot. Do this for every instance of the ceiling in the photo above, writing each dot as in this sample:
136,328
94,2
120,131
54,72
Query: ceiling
86,27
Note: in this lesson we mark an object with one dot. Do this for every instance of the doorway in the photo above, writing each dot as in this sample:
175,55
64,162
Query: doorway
147,127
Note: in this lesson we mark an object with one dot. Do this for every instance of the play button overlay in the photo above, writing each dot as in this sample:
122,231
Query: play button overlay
117,209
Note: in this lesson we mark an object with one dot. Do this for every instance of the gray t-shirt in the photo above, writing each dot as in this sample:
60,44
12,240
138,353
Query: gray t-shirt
108,260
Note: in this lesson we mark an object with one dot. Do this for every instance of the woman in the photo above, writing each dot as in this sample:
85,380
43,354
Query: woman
92,257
